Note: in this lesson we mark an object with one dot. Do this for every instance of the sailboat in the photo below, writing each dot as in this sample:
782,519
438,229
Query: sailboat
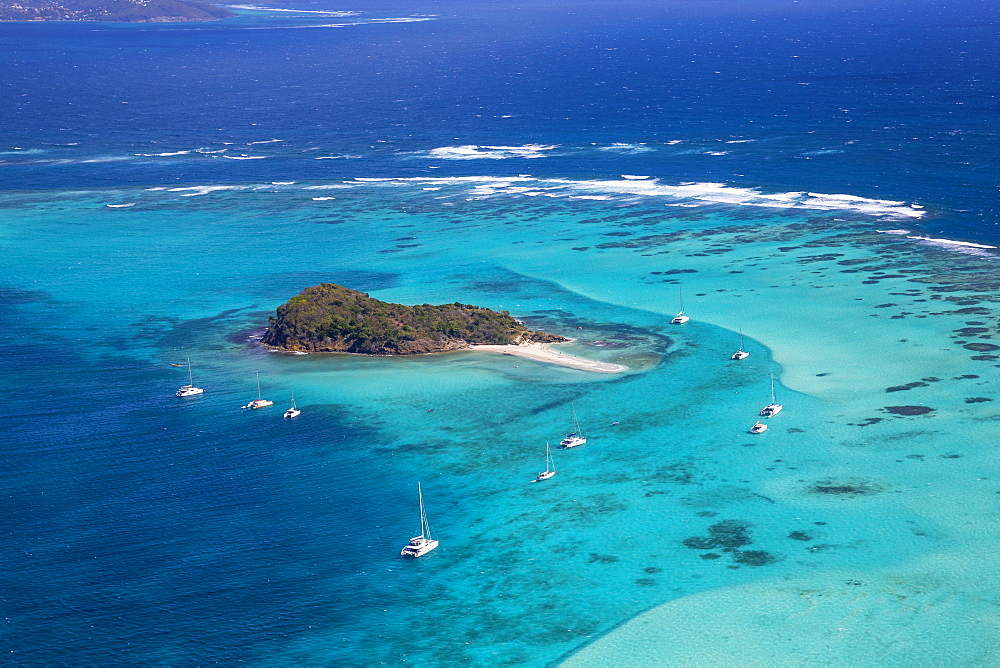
550,467
680,318
422,544
774,407
740,354
575,437
258,402
293,411
758,427
188,390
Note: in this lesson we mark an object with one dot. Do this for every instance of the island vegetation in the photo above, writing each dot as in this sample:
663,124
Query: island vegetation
332,318
119,11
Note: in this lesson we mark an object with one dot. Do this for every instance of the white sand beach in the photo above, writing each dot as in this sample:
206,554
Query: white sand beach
541,352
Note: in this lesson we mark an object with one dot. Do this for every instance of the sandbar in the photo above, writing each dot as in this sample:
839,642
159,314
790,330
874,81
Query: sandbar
541,352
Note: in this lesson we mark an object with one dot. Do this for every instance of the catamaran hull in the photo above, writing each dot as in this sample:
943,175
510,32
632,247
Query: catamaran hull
418,547
771,410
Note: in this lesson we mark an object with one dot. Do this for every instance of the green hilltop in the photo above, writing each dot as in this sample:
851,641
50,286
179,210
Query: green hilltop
332,318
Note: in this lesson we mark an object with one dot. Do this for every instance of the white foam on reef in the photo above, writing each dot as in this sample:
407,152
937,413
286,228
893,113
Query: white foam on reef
244,157
259,8
959,246
120,206
474,152
408,19
346,24
338,157
628,149
322,199
162,155
876,207
686,194
103,158
632,177
444,180
266,141
194,191
23,151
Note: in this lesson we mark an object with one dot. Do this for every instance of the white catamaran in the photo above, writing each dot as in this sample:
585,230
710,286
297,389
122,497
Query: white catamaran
550,467
293,411
189,390
740,354
680,318
422,544
575,437
758,427
259,402
774,407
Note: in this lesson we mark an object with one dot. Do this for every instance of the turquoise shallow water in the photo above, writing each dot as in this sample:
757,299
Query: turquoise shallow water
189,528
165,187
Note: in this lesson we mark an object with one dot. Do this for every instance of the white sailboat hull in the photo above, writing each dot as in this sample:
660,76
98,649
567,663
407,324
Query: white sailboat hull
418,547
740,355
188,391
771,410
572,441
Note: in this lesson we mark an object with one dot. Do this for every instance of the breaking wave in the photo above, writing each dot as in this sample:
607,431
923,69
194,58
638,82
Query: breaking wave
682,194
474,152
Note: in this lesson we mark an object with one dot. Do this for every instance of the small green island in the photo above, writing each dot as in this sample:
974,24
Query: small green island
332,318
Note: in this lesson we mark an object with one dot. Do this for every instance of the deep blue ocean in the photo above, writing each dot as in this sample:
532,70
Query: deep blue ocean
164,187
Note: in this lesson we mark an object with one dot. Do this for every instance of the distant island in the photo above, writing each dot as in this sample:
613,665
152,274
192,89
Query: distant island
335,319
120,11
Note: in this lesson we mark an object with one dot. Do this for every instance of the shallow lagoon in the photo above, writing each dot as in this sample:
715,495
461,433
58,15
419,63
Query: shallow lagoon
187,515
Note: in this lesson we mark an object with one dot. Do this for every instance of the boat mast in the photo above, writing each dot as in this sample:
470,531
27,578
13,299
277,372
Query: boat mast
576,422
425,527
772,389
680,297
258,386
190,376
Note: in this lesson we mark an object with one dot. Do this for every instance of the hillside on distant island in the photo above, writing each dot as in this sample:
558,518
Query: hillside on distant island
120,11
332,318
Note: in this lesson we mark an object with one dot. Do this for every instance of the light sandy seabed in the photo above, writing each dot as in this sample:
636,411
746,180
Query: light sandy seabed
540,352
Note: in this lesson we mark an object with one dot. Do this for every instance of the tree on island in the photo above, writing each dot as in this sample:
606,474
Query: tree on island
332,318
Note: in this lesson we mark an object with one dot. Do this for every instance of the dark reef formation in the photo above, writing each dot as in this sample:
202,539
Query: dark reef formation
332,318
118,11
